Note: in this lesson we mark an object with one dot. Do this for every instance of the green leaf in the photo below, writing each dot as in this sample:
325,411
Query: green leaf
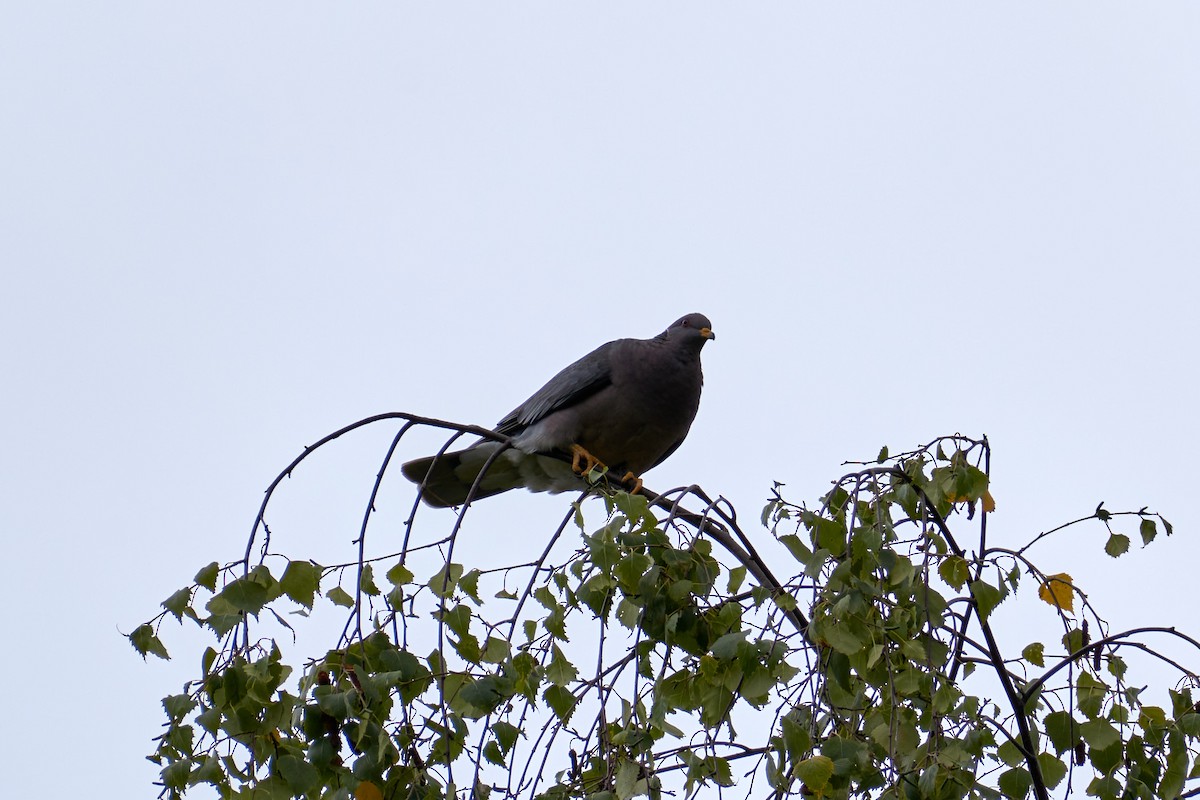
900,571
1099,734
1089,694
1009,753
179,602
796,738
340,598
210,720
399,575
1176,774
209,772
1148,530
300,582
1015,783
1073,640
244,594
180,737
1181,701
726,648
736,576
445,579
207,576
366,581
546,597
722,774
846,753
555,624
175,775
987,597
628,613
629,570
1062,729
457,619
955,571
1053,769
505,734
633,506
298,773
1035,654
603,550
338,705
223,623
144,641
927,783
493,754
469,583
468,647
1116,666
561,701
1108,787
487,693
627,776
496,650
830,535
841,638
815,772
1107,759
1152,718
1118,545
560,671
177,705
206,660
797,548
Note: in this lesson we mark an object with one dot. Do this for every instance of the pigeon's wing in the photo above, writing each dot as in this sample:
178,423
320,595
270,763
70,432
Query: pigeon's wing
574,384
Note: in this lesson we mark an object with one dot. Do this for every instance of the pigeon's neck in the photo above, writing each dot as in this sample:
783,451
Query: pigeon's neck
687,350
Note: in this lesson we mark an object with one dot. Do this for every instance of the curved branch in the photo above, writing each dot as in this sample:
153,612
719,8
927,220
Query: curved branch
1114,639
411,419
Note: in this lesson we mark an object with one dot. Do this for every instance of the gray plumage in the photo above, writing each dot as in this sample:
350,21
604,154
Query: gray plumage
629,403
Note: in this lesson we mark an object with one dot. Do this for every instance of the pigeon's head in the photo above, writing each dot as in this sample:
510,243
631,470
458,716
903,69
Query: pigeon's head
694,329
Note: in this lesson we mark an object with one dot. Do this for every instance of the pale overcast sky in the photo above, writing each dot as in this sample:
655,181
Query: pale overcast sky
230,228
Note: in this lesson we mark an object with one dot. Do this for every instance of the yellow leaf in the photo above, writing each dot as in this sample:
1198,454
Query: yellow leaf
989,502
367,791
1058,591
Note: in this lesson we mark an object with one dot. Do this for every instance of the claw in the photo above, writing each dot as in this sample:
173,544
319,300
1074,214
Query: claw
635,480
590,462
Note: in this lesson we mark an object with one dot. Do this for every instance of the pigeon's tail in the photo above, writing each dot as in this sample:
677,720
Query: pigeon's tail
448,478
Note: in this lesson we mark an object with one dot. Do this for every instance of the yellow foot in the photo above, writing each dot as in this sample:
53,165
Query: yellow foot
589,461
635,480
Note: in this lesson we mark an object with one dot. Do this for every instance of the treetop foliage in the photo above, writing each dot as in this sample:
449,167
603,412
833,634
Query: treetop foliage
646,648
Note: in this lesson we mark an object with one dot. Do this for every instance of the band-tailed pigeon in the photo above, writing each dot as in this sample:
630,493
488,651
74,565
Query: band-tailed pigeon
626,405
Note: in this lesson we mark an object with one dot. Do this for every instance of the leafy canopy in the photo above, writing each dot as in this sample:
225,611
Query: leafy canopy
653,651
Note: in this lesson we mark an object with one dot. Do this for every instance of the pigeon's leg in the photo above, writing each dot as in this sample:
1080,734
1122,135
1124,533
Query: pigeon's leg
589,461
635,480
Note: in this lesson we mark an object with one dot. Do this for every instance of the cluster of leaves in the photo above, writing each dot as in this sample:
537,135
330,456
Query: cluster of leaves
373,718
903,616
629,668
